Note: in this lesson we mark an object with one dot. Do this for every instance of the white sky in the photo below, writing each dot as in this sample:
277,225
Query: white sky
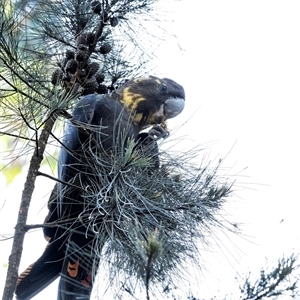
240,70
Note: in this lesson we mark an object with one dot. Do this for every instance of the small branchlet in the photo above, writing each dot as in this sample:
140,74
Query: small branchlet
152,219
274,283
32,34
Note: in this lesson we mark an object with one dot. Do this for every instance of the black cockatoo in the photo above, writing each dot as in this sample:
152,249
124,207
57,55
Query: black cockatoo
136,105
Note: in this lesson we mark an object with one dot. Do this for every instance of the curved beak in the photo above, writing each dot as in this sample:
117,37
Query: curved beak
173,107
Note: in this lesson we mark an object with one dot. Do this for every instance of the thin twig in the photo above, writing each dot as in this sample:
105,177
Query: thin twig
61,181
17,136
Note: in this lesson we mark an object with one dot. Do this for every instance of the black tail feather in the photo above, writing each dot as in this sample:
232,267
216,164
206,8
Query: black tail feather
40,274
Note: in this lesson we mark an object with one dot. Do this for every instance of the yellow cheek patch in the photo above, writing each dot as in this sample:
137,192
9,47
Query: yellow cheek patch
131,100
137,118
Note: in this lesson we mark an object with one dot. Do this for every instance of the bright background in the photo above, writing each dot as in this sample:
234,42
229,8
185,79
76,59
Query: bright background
239,65
240,70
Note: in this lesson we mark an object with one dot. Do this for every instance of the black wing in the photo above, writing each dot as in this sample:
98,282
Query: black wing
97,122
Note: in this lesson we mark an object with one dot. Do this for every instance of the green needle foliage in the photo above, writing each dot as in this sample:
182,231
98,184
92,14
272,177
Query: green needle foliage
147,223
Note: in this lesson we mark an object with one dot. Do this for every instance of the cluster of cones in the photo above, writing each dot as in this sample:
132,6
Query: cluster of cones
78,67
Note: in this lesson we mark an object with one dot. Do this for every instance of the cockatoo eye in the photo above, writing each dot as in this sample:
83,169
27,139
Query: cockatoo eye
163,88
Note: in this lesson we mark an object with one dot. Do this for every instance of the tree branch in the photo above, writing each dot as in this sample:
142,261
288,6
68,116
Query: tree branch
20,229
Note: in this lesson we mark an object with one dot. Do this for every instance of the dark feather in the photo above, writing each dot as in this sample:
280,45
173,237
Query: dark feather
101,125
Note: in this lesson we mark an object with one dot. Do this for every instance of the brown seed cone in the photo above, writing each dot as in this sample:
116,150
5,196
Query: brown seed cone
90,86
56,76
81,55
82,47
90,38
81,39
114,21
70,54
96,7
87,91
105,48
102,89
93,68
71,66
91,82
100,77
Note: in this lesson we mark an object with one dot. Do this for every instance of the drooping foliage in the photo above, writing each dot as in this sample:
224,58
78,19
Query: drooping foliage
147,225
